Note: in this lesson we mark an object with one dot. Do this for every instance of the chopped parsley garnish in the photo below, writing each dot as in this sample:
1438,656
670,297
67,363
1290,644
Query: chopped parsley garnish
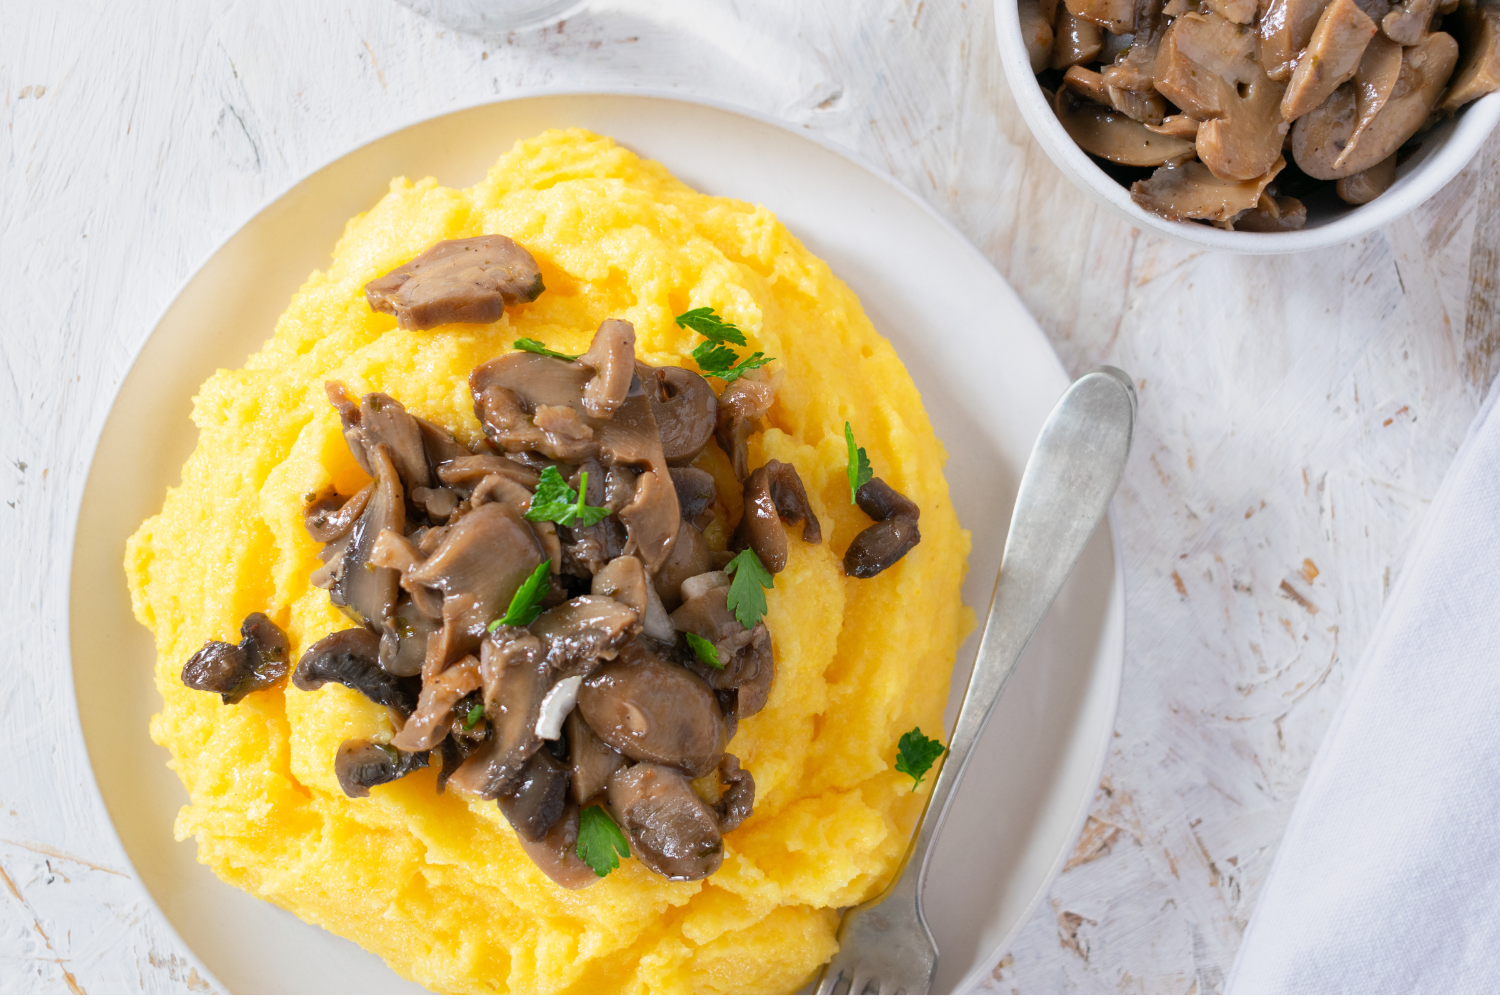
859,463
554,500
915,755
707,322
537,347
601,844
704,650
712,356
755,360
527,603
747,591
476,712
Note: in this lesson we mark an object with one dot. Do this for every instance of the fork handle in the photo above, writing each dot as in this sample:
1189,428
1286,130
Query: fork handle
1065,490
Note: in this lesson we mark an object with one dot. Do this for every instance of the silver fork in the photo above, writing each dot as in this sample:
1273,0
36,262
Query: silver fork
1075,465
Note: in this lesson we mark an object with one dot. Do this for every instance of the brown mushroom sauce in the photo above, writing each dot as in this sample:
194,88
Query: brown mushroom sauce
1234,113
599,700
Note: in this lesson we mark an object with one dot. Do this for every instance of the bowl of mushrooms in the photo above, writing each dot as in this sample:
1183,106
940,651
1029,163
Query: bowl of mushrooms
1256,126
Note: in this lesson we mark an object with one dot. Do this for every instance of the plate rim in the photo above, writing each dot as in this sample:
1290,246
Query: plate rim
979,971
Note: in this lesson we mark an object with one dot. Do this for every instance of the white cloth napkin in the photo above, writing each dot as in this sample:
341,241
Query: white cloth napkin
1388,878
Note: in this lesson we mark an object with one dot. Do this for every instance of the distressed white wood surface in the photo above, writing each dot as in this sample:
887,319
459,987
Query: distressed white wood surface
1297,414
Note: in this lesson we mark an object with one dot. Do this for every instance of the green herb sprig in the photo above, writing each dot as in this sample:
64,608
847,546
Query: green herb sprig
554,500
859,463
537,347
713,357
527,602
704,650
601,843
915,755
747,589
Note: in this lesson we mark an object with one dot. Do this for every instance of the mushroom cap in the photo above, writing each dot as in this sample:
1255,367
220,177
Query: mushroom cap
457,281
653,710
360,765
672,831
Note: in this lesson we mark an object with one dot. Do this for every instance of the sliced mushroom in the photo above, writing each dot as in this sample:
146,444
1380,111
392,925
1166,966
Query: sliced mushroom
747,666
556,854
1374,82
404,637
331,516
741,406
430,722
1191,191
1114,136
508,392
1246,140
512,670
1238,11
482,560
592,761
737,801
1369,184
579,632
696,493
774,495
651,518
1178,127
1407,22
360,765
1036,30
457,281
463,474
379,419
539,797
685,408
671,830
652,710
1332,57
1273,215
1285,29
1325,142
1202,61
352,658
689,558
612,357
882,544
1478,30
1116,15
258,662
625,580
363,591
1074,40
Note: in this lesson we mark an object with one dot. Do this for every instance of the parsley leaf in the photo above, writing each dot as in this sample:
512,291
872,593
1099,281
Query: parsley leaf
747,591
915,755
601,844
527,602
730,374
859,463
704,650
554,500
707,322
537,347
713,357
476,712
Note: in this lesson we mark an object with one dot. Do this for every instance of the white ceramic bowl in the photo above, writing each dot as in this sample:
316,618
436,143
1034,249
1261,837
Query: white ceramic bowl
1445,151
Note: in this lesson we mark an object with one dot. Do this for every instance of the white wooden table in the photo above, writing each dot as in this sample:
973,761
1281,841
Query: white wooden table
1297,413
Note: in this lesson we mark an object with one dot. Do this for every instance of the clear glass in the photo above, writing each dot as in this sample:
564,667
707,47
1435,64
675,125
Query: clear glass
495,17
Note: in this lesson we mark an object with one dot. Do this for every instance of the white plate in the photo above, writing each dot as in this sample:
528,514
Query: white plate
988,378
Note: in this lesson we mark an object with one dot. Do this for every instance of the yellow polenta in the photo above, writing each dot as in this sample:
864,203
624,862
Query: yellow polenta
438,886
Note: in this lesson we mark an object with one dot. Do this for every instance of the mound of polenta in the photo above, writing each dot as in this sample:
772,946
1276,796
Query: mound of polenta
438,886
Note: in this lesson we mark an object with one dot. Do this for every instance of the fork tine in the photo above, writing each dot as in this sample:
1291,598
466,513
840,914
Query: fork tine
828,983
